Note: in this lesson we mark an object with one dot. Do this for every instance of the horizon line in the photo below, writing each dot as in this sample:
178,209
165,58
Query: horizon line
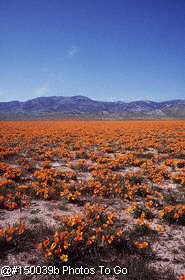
72,96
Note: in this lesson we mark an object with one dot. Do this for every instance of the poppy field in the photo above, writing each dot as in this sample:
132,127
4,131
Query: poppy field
91,193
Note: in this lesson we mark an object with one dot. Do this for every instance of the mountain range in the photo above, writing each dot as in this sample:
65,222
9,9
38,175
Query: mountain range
54,107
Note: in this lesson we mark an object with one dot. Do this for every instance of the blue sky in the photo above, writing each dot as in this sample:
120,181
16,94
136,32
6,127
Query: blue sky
105,49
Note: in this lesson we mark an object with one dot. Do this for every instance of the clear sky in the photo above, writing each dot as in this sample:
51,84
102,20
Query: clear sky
104,49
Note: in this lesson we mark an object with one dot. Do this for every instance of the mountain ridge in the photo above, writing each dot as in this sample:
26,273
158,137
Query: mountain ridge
82,106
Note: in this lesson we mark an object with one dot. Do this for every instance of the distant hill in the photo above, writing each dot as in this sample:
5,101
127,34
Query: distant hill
84,107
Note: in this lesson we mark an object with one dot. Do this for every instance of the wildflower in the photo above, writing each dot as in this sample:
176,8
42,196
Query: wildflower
10,230
161,213
46,242
58,251
176,216
48,254
39,246
141,245
2,232
160,228
98,229
89,242
53,245
64,258
9,238
119,233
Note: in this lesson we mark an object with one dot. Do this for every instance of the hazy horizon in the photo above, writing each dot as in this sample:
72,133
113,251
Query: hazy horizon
146,100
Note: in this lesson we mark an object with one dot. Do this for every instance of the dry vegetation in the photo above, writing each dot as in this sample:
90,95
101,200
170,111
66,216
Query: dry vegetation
94,193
